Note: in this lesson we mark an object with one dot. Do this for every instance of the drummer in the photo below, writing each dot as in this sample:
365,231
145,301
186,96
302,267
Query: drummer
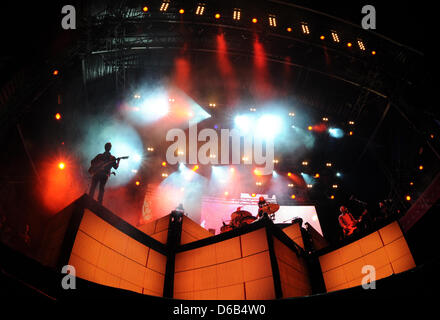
262,205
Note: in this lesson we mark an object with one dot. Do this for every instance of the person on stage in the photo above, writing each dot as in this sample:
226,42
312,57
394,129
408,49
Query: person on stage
102,163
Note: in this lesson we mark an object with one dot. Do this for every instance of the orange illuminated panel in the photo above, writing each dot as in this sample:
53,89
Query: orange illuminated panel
293,271
157,229
254,242
294,232
233,269
386,250
103,254
261,289
191,231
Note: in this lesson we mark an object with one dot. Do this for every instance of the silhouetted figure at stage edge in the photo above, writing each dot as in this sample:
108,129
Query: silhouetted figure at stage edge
100,170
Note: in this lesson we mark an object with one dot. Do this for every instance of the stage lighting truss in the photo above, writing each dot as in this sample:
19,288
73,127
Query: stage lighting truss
200,9
236,15
164,6
305,28
272,20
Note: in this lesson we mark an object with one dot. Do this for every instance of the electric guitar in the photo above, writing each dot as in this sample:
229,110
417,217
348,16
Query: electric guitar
99,165
348,230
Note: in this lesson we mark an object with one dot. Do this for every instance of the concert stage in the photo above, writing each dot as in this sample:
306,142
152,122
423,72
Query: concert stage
174,257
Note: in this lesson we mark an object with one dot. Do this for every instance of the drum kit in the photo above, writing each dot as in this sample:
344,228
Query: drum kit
240,218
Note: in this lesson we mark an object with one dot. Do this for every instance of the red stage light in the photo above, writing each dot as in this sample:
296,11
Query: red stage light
145,9
61,165
254,20
58,116
217,16
181,11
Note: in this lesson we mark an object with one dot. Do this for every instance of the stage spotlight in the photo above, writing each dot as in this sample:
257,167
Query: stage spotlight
226,193
335,36
195,168
258,183
181,166
254,20
138,183
236,14
232,170
408,198
351,123
336,133
322,37
310,128
317,175
257,172
272,20
305,163
243,123
164,164
289,174
217,16
181,11
309,186
293,196
335,186
332,197
164,6
349,44
55,72
305,28
58,116
350,133
274,174
289,29
145,9
328,164
411,183
164,175
373,52
421,168
61,165
200,9
269,126
253,195
137,158
338,174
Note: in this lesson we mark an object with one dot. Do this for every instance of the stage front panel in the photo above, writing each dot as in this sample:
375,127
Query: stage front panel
103,254
386,250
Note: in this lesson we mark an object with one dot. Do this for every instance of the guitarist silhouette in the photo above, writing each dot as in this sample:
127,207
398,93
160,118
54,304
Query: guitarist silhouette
100,170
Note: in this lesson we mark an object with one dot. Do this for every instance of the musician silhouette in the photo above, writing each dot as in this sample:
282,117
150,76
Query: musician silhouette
102,165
